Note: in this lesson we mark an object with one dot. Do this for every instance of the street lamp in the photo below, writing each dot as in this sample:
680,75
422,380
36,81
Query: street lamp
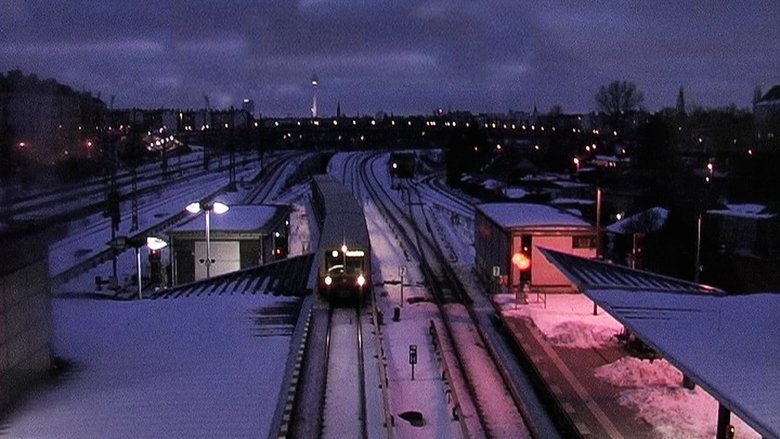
219,209
153,243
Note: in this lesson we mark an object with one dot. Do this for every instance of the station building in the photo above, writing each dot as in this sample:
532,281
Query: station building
507,238
245,236
25,311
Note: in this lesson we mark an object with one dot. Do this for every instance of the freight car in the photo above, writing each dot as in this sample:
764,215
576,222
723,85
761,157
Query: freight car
344,249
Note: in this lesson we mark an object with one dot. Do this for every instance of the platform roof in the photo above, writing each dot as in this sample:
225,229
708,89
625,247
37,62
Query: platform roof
240,218
517,215
729,345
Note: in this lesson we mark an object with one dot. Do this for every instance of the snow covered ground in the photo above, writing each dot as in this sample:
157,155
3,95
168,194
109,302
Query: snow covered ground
194,367
190,367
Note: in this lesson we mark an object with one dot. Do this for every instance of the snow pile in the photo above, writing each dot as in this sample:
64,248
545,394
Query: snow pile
655,390
574,334
632,372
566,320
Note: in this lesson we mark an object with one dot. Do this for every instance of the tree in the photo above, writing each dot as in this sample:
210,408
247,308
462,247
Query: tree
619,97
465,150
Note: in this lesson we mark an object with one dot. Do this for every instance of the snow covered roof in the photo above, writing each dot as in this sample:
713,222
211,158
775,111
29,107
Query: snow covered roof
747,210
240,218
515,192
568,184
573,201
512,215
726,344
492,184
646,221
772,95
590,273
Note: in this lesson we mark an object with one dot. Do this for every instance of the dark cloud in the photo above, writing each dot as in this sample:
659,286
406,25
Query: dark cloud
402,56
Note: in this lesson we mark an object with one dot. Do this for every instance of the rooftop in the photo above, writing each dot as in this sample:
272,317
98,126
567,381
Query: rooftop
772,95
512,215
240,218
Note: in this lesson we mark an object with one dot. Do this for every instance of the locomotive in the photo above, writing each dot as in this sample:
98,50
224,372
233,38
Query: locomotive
344,249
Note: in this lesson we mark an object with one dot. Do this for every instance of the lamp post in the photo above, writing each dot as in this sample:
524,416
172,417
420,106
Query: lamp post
152,243
219,209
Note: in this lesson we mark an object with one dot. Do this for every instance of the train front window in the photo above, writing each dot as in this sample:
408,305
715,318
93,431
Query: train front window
341,263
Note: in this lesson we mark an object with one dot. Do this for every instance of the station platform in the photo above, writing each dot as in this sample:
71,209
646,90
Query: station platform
586,405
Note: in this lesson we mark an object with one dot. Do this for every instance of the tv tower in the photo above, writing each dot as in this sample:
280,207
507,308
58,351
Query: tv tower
314,82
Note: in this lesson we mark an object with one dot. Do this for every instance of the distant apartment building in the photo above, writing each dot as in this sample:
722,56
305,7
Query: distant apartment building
744,253
48,122
767,114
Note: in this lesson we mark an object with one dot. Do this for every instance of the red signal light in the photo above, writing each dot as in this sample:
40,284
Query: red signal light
521,261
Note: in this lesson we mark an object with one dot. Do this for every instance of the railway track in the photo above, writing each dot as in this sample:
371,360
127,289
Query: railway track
441,195
63,203
101,253
498,411
345,389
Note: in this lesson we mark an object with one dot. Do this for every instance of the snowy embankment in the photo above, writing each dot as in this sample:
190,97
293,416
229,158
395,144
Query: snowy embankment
198,367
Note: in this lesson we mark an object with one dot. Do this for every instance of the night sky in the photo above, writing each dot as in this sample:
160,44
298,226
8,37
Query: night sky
400,57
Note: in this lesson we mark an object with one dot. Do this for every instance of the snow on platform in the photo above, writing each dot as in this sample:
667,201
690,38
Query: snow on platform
725,344
200,367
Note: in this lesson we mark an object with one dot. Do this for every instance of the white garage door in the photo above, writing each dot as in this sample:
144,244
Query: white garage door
224,254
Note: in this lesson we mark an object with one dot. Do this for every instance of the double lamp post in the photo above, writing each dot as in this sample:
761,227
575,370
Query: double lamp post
218,208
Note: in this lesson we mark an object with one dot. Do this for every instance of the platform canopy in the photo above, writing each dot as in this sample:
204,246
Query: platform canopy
727,344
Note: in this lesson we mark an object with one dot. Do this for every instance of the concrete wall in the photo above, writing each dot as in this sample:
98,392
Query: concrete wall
25,319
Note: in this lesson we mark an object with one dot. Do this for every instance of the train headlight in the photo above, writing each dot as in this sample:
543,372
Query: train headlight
361,280
328,280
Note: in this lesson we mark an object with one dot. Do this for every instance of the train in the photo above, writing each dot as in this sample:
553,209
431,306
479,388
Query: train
344,249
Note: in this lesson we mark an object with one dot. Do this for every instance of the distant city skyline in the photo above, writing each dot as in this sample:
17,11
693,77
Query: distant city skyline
401,57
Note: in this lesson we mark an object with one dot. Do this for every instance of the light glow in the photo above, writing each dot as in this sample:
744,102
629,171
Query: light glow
220,208
155,243
193,207
355,253
521,261
328,280
361,280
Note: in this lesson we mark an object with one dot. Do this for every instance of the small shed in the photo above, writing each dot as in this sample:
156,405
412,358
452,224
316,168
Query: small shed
244,236
507,238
